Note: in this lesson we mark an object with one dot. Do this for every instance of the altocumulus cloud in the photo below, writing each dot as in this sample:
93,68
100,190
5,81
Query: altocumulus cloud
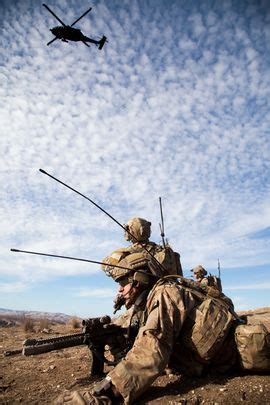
97,293
177,105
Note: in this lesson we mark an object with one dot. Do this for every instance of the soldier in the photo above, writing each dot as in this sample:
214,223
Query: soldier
168,322
141,229
138,231
200,276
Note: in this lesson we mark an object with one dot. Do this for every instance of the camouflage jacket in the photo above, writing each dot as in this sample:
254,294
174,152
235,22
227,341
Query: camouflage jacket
162,332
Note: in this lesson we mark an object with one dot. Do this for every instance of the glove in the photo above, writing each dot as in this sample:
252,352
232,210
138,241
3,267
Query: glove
118,346
81,398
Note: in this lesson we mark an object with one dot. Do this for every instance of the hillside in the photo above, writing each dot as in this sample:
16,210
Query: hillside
16,316
40,379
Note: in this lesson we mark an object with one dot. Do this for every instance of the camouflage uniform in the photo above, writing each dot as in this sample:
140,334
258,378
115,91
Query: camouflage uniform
179,324
141,229
168,308
138,231
164,316
200,276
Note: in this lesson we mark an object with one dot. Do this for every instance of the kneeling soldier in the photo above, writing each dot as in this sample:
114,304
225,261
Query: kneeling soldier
179,324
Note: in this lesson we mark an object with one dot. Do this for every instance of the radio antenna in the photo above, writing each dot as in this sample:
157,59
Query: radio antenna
68,257
161,226
218,266
109,215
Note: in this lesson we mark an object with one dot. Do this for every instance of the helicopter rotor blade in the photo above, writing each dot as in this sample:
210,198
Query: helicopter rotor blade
81,16
58,19
49,43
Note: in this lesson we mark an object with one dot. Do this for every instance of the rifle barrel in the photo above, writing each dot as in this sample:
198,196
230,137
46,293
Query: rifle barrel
47,345
12,352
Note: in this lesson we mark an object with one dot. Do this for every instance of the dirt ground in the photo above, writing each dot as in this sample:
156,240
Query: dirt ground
40,379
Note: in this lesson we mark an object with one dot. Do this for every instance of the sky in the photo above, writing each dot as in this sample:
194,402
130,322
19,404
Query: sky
175,105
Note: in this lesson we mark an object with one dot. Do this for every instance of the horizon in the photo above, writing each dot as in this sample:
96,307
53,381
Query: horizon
175,105
71,315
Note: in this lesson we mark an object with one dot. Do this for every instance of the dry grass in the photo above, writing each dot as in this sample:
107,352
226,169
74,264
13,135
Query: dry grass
44,324
27,324
75,322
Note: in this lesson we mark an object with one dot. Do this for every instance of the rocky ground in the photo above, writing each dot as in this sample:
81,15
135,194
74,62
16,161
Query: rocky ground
40,379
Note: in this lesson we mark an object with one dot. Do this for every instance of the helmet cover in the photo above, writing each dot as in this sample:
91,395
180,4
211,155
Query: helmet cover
199,269
139,228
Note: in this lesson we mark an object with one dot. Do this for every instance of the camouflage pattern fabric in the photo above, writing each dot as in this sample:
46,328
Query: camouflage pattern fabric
130,257
253,345
83,397
168,307
139,229
204,281
199,269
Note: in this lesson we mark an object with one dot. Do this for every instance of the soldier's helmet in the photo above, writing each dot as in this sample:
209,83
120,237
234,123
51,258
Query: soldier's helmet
199,270
130,265
139,228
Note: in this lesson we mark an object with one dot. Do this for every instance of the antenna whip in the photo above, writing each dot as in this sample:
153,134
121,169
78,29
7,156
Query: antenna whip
109,215
68,257
161,226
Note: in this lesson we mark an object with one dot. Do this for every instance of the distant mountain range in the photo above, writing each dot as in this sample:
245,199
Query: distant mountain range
10,314
51,316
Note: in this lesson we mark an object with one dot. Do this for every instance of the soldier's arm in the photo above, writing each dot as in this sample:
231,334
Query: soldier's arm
153,345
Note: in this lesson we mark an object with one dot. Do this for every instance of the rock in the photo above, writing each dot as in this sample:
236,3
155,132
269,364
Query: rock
46,330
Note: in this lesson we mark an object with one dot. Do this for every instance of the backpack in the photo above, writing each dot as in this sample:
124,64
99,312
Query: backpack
253,346
214,281
170,260
208,324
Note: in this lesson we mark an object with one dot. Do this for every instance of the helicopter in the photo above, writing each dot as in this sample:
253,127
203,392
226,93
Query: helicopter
68,33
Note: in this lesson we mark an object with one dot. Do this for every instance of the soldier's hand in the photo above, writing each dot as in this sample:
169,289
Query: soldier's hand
117,346
83,397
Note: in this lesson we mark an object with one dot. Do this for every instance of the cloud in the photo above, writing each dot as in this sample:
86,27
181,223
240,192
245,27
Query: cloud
97,292
12,288
258,286
176,105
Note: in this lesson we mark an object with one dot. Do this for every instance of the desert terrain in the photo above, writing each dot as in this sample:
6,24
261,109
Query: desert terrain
40,379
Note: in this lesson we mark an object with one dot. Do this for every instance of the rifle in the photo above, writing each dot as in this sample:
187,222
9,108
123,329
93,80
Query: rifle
96,334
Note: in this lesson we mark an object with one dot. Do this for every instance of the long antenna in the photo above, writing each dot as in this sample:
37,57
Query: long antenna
68,257
218,266
161,226
109,215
